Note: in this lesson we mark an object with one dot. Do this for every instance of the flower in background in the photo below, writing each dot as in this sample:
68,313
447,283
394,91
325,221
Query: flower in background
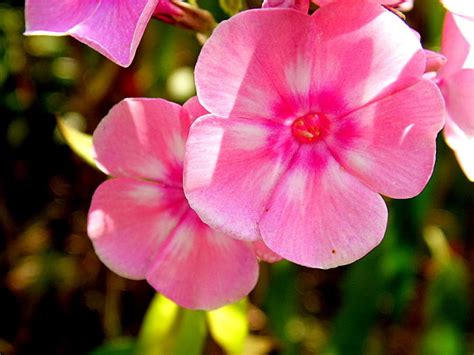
311,119
140,223
113,28
456,81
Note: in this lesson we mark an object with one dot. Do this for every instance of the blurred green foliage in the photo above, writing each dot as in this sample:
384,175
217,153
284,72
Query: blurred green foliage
411,295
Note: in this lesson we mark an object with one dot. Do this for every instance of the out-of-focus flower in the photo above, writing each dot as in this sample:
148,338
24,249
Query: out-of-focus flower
140,223
311,118
456,81
113,28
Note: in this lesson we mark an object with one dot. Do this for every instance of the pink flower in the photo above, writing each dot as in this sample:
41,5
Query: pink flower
140,223
456,80
311,118
113,28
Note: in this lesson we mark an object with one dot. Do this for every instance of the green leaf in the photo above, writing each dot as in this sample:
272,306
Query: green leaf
159,320
169,329
120,346
228,326
231,7
443,339
79,142
191,334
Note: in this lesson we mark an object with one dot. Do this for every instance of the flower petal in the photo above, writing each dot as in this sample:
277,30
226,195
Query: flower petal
265,253
250,69
300,5
199,268
319,215
56,17
129,220
143,138
231,167
113,28
390,145
463,146
364,52
460,7
116,28
458,90
457,44
194,109
240,70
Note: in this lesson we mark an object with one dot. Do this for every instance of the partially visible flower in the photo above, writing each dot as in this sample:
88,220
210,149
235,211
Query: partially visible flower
140,223
311,118
456,80
113,28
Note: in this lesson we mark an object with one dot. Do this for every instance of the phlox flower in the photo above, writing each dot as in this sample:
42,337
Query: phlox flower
456,80
139,221
311,119
113,28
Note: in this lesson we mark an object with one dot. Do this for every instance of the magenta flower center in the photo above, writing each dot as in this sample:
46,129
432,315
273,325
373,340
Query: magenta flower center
309,128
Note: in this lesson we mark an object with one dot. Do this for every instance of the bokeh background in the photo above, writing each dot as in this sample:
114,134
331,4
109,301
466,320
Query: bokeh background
413,294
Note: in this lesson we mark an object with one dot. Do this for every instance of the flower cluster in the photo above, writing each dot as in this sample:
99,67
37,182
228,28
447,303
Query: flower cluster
301,123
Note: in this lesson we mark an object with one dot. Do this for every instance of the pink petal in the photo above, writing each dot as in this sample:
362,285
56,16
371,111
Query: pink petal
319,215
129,220
401,5
231,167
463,146
194,109
460,7
434,61
247,70
265,253
457,44
199,268
241,68
143,138
300,5
113,28
56,17
116,28
364,53
390,144
458,90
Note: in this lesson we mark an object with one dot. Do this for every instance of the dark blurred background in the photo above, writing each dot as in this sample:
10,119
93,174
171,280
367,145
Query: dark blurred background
412,295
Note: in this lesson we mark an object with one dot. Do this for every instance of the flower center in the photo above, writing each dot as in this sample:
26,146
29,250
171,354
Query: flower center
309,128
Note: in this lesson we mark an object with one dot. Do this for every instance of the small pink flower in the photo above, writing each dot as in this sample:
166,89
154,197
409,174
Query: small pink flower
311,118
456,80
113,28
140,223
